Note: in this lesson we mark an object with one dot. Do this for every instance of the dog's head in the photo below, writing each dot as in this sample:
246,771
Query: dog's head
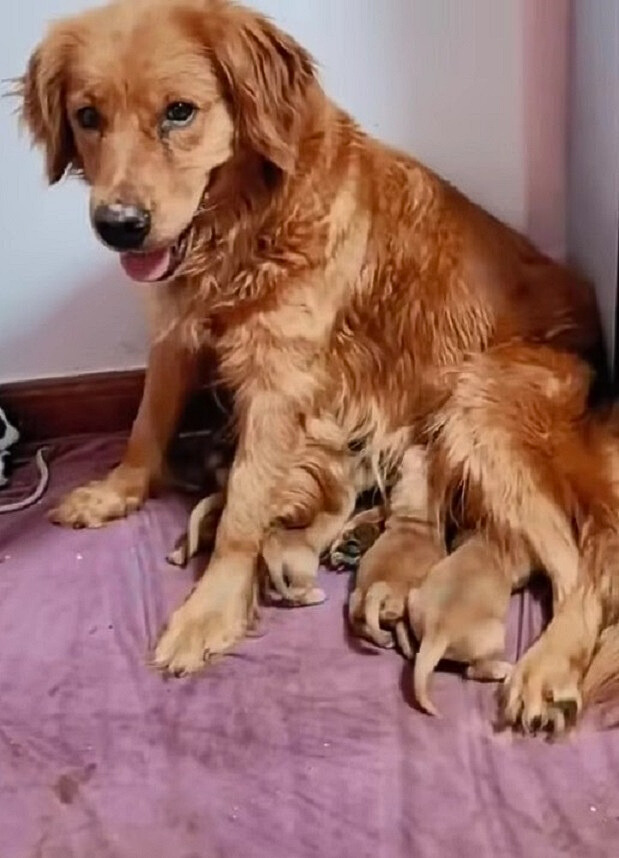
149,99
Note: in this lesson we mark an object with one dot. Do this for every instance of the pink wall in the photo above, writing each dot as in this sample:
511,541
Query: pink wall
545,91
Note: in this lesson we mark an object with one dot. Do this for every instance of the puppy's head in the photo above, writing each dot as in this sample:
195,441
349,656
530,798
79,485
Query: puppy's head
149,100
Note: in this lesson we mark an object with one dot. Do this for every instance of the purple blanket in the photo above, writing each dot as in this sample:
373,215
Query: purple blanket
300,745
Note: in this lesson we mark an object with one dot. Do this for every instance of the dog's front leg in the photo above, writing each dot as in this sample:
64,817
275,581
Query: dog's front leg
169,376
223,604
544,691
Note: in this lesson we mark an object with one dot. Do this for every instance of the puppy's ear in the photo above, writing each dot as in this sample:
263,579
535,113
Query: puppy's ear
266,76
42,93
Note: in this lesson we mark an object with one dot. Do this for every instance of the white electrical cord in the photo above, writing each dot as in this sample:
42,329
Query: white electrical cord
39,491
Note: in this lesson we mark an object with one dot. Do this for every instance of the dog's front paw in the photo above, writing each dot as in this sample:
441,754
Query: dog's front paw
214,618
543,692
102,501
194,638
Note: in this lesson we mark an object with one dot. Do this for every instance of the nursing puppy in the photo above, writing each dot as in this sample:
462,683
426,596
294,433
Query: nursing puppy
317,503
459,611
358,535
400,558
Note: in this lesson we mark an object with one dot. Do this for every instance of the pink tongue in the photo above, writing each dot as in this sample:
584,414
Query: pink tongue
146,267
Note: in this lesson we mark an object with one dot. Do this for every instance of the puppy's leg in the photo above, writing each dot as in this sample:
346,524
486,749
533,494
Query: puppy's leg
223,604
403,639
317,538
292,566
489,670
169,377
200,531
375,599
511,433
293,556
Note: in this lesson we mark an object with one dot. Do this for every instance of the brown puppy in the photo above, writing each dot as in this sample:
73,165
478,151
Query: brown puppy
333,479
358,535
328,276
400,558
459,611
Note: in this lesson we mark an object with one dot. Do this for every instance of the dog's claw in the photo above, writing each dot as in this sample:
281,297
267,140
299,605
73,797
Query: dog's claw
569,708
542,693
536,724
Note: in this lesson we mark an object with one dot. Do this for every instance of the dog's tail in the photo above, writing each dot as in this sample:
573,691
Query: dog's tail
375,599
431,651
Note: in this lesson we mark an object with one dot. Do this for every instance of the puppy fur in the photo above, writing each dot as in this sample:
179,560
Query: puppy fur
459,611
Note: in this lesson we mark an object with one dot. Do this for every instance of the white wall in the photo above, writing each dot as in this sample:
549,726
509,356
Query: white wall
593,210
64,308
441,78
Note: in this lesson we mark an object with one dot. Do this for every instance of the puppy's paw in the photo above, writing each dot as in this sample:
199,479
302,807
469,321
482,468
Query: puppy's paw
543,692
380,637
489,670
179,556
358,534
305,597
345,553
292,568
99,502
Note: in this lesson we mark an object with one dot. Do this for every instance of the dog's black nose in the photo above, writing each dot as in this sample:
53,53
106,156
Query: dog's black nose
122,227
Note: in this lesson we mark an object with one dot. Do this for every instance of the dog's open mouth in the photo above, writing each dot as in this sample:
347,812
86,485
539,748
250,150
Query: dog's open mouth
155,265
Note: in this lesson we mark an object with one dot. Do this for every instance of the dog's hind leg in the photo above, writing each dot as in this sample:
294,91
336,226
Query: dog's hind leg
512,434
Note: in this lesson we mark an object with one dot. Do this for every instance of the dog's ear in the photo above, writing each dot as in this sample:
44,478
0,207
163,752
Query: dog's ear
43,111
266,75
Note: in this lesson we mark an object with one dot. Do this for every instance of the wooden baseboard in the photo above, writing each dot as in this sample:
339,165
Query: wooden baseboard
96,403
87,404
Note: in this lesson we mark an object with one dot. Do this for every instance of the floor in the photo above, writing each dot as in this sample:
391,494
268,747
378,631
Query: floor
300,745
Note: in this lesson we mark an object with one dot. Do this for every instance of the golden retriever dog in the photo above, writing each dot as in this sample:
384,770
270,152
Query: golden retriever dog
460,609
330,278
401,557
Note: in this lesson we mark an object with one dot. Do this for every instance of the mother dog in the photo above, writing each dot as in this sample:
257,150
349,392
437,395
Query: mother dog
336,281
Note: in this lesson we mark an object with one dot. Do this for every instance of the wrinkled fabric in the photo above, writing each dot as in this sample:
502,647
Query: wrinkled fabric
303,744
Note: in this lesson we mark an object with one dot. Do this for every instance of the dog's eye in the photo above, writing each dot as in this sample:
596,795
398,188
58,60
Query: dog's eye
180,113
88,118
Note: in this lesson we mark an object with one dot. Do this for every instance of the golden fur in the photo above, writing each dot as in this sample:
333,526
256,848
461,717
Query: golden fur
401,557
336,281
459,611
